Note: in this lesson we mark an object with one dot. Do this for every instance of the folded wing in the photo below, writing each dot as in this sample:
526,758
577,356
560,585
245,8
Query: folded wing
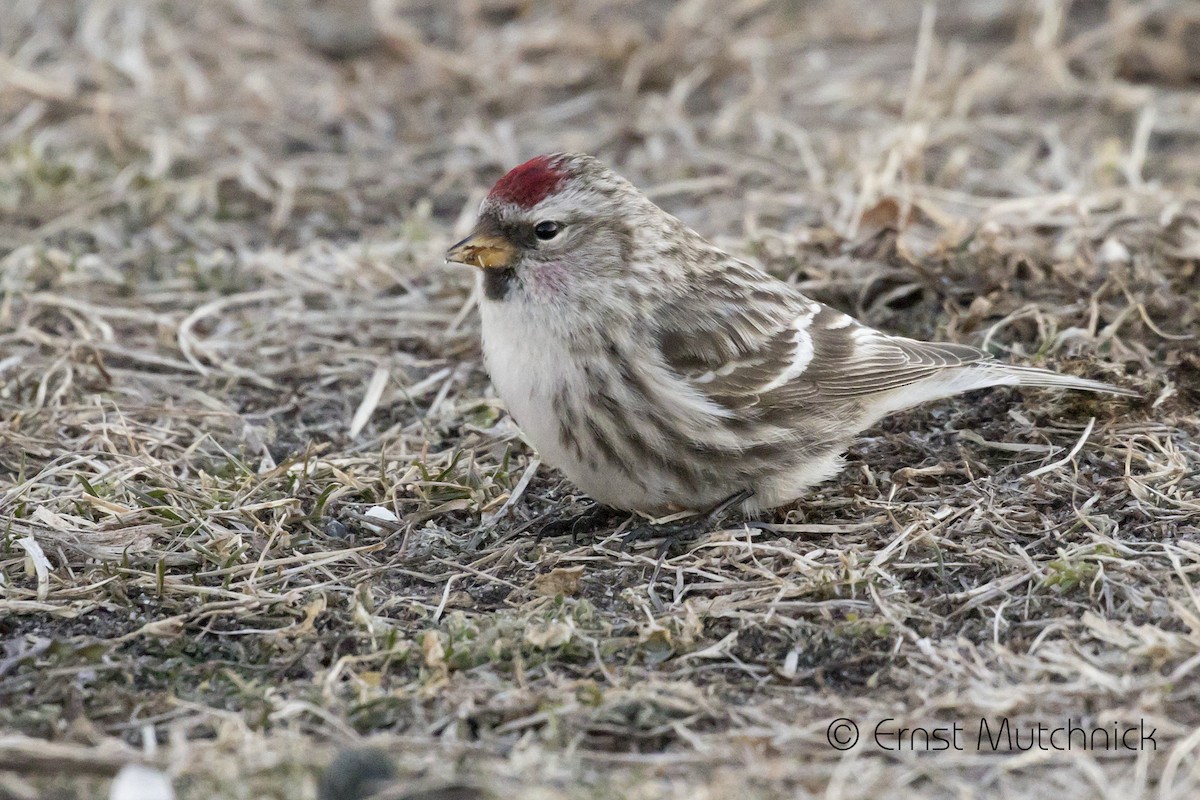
769,351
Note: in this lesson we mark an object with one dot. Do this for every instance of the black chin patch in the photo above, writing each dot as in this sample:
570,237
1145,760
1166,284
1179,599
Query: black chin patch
497,283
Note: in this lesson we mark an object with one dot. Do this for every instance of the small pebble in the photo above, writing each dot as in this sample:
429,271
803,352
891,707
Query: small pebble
139,782
379,512
356,774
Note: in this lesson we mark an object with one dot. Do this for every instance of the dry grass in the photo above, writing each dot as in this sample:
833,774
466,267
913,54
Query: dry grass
226,334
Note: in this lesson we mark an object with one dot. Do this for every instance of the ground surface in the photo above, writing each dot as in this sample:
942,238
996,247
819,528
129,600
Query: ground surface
226,334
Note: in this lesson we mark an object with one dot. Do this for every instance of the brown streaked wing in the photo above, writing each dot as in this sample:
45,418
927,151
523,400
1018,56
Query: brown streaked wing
748,337
856,362
729,338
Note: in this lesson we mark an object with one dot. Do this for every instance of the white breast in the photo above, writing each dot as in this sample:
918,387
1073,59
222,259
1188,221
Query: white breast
527,366
527,356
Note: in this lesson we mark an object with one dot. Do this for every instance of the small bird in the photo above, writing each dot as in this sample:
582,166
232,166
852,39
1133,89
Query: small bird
660,373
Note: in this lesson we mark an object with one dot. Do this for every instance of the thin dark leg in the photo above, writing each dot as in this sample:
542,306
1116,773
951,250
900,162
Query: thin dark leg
555,523
586,521
686,528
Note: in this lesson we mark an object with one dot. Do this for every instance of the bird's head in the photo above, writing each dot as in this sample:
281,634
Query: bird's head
551,226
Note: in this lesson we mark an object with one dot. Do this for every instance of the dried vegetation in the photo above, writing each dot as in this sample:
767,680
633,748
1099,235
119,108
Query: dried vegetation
226,335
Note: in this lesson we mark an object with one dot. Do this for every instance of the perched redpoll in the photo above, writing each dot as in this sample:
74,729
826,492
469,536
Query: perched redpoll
660,373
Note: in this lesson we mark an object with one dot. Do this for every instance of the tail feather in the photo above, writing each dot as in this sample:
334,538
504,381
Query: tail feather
1017,375
981,375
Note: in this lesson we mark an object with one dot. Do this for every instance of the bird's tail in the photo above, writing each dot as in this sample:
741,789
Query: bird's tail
990,373
981,375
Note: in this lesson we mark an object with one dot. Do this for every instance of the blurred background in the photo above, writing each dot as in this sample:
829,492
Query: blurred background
778,113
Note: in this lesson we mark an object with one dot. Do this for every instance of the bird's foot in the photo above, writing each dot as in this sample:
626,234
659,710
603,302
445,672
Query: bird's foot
586,521
684,529
672,533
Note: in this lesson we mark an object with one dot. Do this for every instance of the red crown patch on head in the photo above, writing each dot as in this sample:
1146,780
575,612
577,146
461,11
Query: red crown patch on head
528,184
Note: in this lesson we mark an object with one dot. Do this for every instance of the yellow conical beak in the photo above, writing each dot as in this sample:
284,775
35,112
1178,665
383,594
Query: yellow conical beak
483,250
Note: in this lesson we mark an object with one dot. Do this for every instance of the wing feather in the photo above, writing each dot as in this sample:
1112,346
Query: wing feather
764,344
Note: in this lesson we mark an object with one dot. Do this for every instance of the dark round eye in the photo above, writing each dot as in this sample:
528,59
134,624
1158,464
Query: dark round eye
546,230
